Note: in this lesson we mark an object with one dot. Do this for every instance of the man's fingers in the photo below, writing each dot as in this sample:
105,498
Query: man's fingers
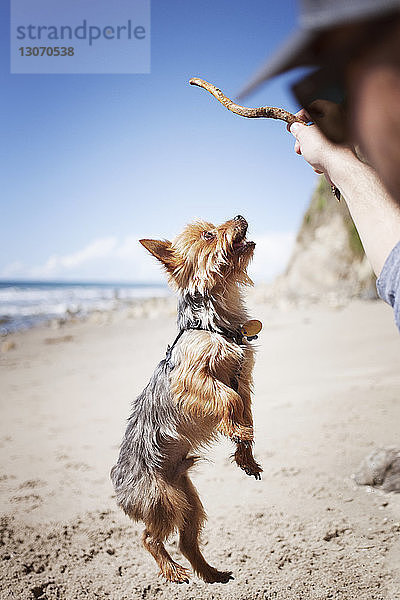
303,115
297,148
296,129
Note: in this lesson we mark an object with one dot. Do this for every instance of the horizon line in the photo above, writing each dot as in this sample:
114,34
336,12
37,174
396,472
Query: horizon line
84,282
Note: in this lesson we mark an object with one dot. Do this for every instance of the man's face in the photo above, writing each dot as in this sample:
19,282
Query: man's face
373,82
374,110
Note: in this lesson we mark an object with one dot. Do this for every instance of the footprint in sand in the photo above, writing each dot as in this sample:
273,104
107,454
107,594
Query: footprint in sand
29,501
32,483
78,466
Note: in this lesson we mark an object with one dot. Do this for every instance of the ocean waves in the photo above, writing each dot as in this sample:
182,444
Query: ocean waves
26,304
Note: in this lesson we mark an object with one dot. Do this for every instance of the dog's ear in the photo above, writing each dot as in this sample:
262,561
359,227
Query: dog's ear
162,250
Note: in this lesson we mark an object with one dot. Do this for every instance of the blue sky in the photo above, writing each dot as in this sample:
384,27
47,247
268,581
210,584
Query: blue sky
92,163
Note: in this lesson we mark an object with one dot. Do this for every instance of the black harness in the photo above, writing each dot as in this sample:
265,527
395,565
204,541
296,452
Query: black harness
235,336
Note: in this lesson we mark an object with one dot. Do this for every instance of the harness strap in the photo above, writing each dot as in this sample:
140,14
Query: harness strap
170,348
236,337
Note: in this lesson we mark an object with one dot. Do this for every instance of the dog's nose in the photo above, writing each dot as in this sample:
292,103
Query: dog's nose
239,218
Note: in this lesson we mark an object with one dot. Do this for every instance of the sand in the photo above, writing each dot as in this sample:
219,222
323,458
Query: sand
326,386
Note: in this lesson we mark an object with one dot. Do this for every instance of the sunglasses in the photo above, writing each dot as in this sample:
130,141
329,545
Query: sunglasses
323,95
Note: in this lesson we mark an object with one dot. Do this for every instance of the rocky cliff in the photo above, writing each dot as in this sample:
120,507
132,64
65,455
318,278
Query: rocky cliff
328,259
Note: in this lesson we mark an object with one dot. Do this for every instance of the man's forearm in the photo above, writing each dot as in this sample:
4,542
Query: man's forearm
375,214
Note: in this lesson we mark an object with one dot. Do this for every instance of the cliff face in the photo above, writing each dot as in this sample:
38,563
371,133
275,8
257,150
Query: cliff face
328,258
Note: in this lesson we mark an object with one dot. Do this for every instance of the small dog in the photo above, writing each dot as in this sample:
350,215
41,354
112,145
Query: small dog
201,388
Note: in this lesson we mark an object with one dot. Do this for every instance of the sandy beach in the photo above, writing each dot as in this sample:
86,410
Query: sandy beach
326,394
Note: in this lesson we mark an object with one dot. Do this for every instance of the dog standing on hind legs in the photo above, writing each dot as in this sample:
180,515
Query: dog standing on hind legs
201,388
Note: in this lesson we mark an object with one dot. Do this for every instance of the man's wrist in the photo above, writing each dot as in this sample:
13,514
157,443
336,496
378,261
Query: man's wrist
340,165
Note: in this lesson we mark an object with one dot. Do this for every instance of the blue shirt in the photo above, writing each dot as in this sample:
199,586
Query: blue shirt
388,283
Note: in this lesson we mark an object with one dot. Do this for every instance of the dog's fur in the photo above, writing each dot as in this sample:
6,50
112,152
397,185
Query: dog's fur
200,389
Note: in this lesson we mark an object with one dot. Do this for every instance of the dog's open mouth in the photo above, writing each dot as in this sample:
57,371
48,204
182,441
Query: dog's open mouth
240,244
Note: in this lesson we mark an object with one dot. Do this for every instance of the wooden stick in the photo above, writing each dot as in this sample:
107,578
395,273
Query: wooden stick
263,112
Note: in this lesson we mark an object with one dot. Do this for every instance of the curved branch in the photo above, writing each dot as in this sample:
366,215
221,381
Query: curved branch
266,112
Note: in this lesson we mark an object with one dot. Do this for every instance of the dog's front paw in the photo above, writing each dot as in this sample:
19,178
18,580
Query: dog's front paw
245,460
253,471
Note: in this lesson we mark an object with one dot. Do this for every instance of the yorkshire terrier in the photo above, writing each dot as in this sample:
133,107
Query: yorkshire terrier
201,388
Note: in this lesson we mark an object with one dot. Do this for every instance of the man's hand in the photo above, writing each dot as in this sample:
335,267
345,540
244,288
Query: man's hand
312,144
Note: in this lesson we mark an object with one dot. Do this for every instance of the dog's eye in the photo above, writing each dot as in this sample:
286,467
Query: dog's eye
208,235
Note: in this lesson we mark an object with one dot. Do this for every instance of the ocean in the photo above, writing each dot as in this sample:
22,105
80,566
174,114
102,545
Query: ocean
25,304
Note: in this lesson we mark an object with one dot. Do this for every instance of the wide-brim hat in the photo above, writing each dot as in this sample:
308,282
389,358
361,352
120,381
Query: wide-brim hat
317,17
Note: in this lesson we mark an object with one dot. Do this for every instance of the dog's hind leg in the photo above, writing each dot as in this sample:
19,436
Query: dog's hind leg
164,517
194,518
171,570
